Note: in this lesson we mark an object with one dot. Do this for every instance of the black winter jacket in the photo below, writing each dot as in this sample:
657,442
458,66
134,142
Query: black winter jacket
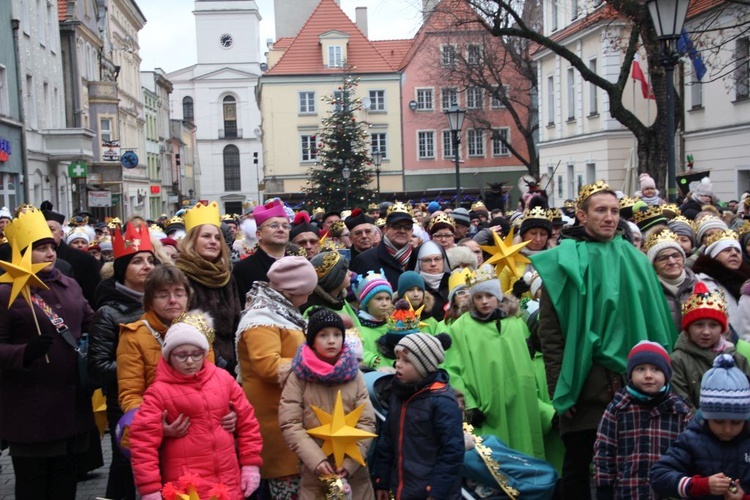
378,258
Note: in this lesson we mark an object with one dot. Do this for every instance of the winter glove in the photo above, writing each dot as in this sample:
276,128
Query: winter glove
152,496
37,347
475,417
250,479
520,287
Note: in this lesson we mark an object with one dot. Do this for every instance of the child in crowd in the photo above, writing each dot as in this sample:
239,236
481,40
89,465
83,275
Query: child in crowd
704,326
375,296
411,287
322,367
638,426
200,391
711,459
421,446
458,297
401,322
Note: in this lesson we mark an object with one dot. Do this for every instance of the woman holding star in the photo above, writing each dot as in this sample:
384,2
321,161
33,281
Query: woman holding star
45,414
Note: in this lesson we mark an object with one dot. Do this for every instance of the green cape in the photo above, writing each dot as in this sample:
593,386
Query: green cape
607,298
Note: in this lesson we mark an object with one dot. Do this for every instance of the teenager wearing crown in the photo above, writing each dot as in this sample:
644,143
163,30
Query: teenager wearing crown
46,414
119,301
204,258
600,298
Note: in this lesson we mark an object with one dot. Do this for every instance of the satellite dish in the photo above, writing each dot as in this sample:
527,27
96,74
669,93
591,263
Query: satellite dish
366,102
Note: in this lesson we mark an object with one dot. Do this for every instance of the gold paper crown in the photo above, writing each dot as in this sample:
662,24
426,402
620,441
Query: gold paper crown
319,210
331,246
372,206
78,220
198,321
727,234
536,213
702,298
202,214
329,261
400,207
248,204
744,228
229,218
175,220
569,204
337,228
660,237
478,205
114,223
441,219
485,273
589,190
155,228
627,201
684,220
554,213
650,212
28,226
380,222
22,208
671,209
459,277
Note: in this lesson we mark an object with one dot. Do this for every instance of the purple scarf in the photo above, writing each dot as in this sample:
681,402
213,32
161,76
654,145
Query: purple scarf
309,367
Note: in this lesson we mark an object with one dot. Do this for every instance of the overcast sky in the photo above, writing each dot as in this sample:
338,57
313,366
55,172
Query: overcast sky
168,39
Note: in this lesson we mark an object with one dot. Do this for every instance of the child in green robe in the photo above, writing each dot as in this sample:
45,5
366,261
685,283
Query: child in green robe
375,296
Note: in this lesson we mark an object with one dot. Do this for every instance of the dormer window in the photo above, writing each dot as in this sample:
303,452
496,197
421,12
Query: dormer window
335,56
333,45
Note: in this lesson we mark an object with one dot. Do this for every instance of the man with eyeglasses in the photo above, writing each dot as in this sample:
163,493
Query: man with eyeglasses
360,232
273,236
305,235
394,254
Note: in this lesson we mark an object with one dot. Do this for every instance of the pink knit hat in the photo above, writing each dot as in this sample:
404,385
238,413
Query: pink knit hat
646,181
294,275
273,208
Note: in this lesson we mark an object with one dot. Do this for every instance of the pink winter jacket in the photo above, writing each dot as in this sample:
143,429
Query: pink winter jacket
207,450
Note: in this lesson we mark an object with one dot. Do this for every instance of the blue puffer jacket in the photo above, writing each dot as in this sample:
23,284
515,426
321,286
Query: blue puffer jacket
697,452
421,447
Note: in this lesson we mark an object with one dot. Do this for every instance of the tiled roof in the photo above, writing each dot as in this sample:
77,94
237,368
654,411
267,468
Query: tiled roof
62,10
698,7
304,55
283,43
393,50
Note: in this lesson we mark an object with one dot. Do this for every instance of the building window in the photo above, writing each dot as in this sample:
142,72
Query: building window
41,22
187,108
8,190
550,100
593,92
553,16
335,56
476,142
449,97
31,116
696,92
474,54
341,101
307,102
378,143
377,100
500,140
449,147
590,173
426,141
424,100
4,95
571,94
232,180
573,10
474,98
105,129
742,73
447,55
309,148
229,109
498,93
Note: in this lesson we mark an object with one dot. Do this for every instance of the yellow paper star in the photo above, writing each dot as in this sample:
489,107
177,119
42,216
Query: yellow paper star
505,253
417,313
22,274
339,432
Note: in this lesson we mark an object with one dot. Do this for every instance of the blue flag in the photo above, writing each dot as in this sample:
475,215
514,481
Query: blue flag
685,46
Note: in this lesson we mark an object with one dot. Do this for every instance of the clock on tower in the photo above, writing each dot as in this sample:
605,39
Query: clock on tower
226,40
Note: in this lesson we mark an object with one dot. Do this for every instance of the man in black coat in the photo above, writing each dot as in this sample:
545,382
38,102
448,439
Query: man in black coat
394,254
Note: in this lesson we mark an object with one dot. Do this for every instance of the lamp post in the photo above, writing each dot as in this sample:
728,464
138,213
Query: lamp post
346,172
668,17
456,117
377,160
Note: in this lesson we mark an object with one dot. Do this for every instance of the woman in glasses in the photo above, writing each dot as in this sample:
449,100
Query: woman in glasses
433,267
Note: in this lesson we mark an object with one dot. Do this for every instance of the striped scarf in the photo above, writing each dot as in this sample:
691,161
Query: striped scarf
402,255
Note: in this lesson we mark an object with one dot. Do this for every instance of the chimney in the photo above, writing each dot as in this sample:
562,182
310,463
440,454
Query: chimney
427,7
361,19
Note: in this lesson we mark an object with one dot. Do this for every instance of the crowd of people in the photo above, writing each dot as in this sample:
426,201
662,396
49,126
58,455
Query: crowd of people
611,331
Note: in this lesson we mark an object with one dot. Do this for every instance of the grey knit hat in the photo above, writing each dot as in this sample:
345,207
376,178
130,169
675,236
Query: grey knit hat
331,268
725,391
425,351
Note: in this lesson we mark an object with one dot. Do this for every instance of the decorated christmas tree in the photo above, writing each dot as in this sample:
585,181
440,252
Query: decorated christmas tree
341,144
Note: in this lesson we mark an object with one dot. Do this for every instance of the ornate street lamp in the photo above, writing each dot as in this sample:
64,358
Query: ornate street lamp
377,160
346,172
668,17
456,117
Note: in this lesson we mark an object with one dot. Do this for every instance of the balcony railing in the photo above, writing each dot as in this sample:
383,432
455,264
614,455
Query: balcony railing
230,133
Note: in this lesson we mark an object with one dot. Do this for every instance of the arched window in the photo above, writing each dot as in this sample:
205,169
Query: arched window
187,108
232,180
230,117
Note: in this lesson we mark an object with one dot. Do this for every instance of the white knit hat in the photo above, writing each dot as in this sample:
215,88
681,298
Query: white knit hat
706,224
717,247
194,327
5,213
78,234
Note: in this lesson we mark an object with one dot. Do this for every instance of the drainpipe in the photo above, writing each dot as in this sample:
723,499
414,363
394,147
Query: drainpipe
15,25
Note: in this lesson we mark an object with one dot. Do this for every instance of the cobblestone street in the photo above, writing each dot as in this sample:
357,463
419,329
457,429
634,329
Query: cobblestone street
91,489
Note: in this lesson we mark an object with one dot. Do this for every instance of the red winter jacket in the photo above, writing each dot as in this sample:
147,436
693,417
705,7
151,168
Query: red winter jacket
207,450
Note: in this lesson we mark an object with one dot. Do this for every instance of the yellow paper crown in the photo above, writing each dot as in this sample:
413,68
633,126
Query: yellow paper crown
175,220
329,261
702,298
485,273
661,236
569,204
197,320
202,214
319,210
441,219
372,206
28,226
400,207
458,278
537,213
229,218
114,223
744,228
554,213
727,234
650,212
589,190
380,222
478,205
684,220
627,201
671,210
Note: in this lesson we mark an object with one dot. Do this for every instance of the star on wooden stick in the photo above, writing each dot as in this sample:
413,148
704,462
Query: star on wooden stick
418,312
505,253
339,432
21,273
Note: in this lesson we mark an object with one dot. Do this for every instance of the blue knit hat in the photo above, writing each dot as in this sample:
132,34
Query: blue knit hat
433,207
409,280
371,285
725,391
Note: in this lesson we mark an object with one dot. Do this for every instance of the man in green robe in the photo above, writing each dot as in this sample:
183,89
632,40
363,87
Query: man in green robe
601,296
